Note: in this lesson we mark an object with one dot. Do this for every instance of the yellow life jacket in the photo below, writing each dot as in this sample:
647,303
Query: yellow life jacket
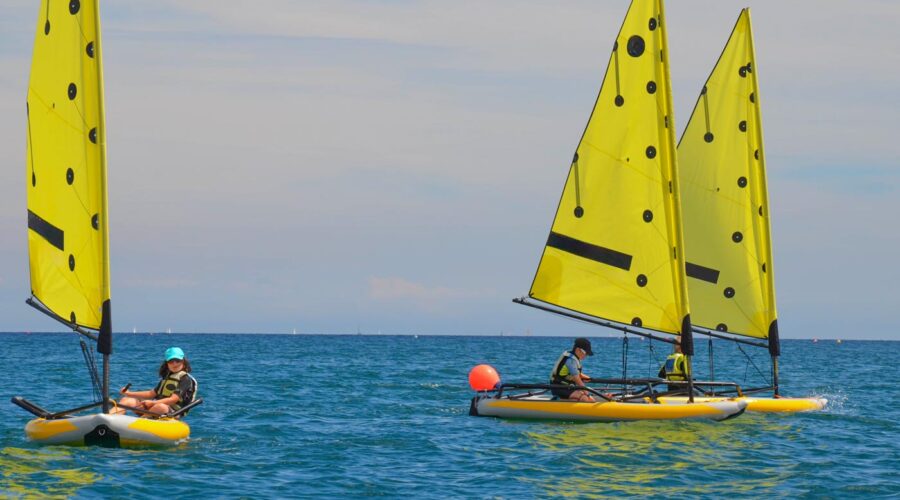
560,373
676,367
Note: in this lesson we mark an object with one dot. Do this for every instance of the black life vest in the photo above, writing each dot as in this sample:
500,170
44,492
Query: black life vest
169,385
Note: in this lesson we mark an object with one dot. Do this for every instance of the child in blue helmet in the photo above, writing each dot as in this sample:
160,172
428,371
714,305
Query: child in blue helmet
176,388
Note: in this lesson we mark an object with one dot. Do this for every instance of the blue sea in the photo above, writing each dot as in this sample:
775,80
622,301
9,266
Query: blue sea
304,416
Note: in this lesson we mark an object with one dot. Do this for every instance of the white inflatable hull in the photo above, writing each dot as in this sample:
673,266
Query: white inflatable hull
107,430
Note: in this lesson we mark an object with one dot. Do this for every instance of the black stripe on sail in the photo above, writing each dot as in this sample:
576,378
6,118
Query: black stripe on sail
589,251
702,273
49,232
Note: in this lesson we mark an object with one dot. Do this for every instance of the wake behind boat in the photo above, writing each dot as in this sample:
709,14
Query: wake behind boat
68,236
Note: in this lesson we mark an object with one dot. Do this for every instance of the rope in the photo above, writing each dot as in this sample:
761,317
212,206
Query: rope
712,371
88,354
625,361
749,362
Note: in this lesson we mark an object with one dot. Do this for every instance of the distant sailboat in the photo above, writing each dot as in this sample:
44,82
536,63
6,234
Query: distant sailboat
68,245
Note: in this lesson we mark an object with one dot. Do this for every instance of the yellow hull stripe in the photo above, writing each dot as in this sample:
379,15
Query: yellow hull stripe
763,405
171,430
608,410
40,429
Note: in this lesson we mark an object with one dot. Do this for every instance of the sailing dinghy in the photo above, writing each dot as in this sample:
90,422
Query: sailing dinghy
68,245
725,210
615,254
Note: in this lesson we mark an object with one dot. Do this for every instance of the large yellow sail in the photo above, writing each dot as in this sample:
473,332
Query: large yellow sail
724,199
615,247
66,165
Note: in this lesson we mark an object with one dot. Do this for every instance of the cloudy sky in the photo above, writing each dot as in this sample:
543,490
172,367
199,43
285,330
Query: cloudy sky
394,166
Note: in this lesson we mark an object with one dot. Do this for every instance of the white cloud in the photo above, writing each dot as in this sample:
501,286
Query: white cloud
437,297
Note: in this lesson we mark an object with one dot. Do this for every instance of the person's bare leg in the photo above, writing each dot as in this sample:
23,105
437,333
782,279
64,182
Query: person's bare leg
124,401
160,408
581,397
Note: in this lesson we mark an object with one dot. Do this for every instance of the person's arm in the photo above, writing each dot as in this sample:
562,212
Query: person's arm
169,400
576,378
139,394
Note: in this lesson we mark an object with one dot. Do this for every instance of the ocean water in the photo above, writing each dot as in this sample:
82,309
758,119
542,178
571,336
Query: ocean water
303,416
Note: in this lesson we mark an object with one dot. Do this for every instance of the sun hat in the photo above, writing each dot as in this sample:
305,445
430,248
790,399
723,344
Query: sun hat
174,353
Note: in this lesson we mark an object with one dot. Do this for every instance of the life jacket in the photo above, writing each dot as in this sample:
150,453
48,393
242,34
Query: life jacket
675,367
169,385
560,372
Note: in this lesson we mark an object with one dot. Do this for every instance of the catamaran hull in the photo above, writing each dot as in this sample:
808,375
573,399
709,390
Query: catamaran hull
107,430
762,405
547,409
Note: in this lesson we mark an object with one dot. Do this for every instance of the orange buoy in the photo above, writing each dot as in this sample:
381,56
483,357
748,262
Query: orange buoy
483,378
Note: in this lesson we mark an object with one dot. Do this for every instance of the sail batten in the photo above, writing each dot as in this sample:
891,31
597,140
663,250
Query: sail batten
615,245
725,201
66,167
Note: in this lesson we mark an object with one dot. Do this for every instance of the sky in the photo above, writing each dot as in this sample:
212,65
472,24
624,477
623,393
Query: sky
394,166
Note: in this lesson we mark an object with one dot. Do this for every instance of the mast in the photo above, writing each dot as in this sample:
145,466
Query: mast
104,340
725,202
66,174
679,270
615,252
774,340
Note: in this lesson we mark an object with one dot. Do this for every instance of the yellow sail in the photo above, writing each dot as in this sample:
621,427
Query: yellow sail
615,247
66,165
724,199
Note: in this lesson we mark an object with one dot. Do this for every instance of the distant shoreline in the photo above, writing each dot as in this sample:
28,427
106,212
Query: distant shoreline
486,335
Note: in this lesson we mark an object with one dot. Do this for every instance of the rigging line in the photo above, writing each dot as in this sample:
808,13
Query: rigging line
89,360
750,361
577,180
712,372
30,147
706,108
616,57
625,359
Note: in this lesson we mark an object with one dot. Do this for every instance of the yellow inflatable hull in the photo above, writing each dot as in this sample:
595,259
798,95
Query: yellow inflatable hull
108,430
544,408
763,405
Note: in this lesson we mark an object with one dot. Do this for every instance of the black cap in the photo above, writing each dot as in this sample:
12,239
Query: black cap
584,344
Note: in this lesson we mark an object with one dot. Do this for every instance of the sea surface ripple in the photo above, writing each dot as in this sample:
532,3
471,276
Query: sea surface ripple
303,416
